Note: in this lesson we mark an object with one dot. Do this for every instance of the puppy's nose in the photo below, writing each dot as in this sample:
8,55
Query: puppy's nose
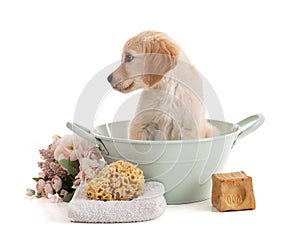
109,78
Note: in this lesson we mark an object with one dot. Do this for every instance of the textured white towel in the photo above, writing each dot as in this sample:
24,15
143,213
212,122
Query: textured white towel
148,206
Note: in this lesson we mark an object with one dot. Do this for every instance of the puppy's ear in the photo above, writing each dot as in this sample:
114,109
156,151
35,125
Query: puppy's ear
161,56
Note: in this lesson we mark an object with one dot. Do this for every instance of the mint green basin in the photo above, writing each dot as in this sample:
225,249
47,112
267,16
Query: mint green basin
183,166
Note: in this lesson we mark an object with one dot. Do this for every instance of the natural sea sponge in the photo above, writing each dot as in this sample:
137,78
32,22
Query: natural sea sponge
120,180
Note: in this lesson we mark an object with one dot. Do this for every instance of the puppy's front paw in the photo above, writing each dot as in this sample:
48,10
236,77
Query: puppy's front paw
211,131
157,135
146,132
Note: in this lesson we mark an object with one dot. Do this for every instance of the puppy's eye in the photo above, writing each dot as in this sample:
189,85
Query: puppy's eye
128,58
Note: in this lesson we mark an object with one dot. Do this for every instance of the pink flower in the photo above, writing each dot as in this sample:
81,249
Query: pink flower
94,154
56,141
64,148
56,183
40,186
54,198
29,192
47,190
42,175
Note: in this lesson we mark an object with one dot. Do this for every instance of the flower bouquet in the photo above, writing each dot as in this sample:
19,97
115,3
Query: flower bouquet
66,162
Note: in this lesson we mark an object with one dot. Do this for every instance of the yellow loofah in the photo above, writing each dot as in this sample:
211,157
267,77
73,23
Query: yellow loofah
120,180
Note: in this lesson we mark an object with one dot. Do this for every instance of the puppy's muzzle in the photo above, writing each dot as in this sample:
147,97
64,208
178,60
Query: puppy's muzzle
110,78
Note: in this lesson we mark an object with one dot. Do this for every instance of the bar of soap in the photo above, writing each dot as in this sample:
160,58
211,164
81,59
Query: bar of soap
232,191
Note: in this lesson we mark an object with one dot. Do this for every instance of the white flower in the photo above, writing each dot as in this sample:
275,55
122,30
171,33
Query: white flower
89,156
82,147
54,198
94,154
91,167
64,147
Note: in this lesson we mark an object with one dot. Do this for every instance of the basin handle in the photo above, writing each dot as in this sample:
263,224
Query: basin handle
249,125
88,135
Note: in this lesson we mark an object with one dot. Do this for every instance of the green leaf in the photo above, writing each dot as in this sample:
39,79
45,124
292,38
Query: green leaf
71,166
68,197
56,136
68,183
37,179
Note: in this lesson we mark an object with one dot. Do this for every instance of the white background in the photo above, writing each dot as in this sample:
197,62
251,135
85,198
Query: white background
248,50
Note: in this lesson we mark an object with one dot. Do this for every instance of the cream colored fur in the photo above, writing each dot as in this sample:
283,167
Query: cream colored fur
171,105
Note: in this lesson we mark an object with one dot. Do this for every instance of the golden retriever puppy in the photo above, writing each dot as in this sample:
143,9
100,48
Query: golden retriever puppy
171,105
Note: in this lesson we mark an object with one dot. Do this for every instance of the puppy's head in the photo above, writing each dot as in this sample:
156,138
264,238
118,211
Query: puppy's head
146,58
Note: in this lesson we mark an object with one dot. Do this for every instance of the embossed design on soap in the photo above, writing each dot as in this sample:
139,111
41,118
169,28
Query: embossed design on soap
234,199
